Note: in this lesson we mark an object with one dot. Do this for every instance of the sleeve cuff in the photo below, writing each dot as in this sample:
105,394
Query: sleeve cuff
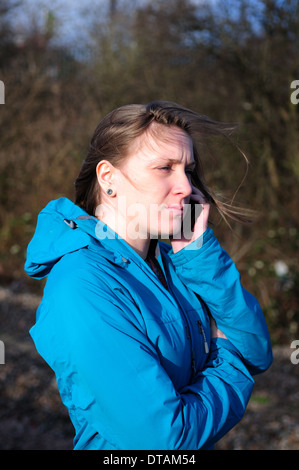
184,254
217,343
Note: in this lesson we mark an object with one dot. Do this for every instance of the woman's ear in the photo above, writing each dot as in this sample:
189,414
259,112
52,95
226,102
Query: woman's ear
105,174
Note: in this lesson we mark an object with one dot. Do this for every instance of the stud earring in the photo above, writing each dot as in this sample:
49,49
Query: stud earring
109,191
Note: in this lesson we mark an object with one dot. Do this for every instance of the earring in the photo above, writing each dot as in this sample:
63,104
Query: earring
109,191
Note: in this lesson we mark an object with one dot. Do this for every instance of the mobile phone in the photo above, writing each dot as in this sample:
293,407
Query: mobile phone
192,212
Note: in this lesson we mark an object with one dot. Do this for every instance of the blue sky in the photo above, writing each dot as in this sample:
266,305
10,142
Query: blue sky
73,16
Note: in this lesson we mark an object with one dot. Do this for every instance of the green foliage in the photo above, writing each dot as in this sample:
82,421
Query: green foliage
231,60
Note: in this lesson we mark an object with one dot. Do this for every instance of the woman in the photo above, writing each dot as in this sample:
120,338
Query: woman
127,322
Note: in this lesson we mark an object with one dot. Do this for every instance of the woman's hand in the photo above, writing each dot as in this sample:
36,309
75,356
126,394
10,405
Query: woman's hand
201,223
215,332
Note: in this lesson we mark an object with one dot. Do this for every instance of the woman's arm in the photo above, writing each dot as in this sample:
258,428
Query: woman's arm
206,269
109,373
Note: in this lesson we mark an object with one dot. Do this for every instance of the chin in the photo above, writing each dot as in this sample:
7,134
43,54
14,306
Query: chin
170,230
165,226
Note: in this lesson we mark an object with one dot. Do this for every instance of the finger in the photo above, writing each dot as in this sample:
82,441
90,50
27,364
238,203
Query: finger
200,198
197,195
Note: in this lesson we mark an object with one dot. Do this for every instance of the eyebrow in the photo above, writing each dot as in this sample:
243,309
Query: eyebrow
176,161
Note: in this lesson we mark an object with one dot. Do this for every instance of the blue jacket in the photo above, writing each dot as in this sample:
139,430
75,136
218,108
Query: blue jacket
134,361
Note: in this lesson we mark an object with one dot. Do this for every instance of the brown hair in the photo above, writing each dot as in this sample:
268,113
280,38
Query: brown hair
116,132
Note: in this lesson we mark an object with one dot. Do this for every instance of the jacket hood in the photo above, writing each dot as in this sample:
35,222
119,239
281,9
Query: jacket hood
63,227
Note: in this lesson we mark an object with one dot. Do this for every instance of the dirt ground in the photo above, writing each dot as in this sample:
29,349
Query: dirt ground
33,418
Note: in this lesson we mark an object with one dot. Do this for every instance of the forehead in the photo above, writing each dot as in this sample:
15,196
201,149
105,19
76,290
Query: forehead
159,140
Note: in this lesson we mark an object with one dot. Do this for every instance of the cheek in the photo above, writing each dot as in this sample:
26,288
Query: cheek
146,188
162,222
149,194
139,189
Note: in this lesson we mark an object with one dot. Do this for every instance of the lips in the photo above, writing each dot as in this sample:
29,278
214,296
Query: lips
176,207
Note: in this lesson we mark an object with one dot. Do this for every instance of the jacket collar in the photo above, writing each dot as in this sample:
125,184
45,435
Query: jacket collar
110,243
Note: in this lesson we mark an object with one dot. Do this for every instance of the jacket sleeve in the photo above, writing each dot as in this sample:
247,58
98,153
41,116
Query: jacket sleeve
109,374
206,269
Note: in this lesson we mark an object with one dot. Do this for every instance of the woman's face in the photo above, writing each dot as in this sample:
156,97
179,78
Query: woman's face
153,183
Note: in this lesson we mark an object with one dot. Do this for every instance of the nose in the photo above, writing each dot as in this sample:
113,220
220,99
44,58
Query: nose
183,185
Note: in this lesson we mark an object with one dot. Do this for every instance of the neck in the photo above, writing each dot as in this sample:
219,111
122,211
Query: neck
140,246
139,243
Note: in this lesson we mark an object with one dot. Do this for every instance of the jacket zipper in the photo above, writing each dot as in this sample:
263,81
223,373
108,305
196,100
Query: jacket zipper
202,331
187,329
193,368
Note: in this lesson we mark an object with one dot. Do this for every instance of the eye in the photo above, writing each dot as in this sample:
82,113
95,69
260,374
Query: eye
165,168
189,171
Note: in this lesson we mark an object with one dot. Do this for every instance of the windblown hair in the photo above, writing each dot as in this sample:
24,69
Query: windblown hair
115,135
